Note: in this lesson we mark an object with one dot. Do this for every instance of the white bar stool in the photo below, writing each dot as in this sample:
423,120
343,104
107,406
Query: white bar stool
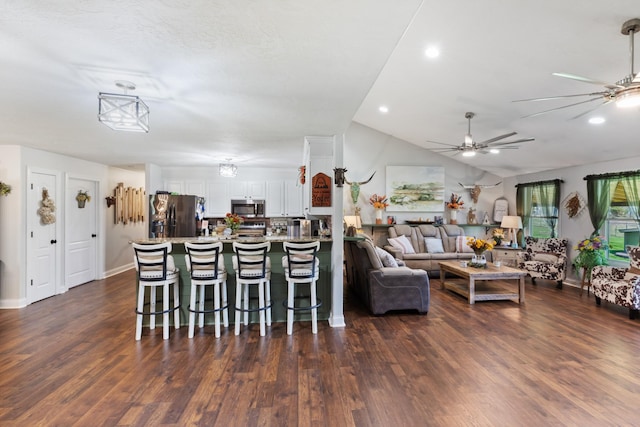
205,263
253,268
155,267
301,266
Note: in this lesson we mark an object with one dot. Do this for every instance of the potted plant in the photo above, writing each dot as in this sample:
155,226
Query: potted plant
591,252
5,189
82,197
233,222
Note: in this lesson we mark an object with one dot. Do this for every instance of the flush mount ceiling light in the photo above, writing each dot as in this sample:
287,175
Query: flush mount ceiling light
228,170
122,111
628,98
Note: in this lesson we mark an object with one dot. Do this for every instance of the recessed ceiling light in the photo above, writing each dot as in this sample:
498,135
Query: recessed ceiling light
494,151
383,109
468,153
597,120
432,52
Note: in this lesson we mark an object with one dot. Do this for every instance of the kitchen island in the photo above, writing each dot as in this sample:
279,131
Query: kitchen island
278,283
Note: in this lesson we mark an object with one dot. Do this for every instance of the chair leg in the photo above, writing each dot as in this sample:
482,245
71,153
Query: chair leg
598,300
225,303
176,304
216,306
152,308
290,302
268,298
559,285
261,304
165,308
314,310
192,306
238,305
246,304
201,307
633,314
139,316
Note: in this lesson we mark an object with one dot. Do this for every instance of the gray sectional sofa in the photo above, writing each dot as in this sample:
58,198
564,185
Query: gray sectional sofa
452,240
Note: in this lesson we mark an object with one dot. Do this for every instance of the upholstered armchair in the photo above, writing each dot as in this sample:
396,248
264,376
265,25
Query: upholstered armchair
544,259
619,286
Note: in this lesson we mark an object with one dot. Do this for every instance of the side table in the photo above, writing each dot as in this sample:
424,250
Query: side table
507,255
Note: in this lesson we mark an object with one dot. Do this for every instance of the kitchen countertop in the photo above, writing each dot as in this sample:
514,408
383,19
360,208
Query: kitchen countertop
281,238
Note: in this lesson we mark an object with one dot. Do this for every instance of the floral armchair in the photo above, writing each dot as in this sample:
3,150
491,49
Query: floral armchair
544,259
619,286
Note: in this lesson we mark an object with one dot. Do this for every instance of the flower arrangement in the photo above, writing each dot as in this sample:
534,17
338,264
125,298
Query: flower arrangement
591,252
498,235
5,189
83,196
378,202
455,202
233,221
479,245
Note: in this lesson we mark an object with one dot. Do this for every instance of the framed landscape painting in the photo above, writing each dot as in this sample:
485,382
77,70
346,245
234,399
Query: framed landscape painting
415,188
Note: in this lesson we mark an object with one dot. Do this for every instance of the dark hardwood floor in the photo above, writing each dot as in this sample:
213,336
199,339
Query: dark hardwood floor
557,360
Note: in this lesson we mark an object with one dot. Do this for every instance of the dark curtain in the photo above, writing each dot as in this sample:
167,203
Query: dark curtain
548,196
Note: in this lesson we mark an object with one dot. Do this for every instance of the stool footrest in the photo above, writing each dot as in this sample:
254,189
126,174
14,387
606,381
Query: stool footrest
153,313
308,307
213,310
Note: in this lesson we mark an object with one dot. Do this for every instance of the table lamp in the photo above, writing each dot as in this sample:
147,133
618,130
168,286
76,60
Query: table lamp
513,223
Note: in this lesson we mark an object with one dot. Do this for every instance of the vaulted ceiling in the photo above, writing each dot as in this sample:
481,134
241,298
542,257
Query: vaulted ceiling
247,80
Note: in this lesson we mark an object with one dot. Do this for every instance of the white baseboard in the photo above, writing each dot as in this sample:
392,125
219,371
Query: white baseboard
118,270
13,303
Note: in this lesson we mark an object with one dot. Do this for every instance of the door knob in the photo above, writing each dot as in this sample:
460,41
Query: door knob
93,235
53,241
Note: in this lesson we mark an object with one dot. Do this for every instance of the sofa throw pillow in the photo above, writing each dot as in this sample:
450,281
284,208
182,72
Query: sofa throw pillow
434,246
547,258
402,243
461,244
387,259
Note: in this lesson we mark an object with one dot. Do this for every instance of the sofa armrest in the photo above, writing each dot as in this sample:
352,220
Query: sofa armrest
399,288
606,272
397,253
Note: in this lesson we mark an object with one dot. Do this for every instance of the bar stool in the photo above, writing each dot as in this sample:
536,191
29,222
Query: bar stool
253,268
205,263
155,267
301,266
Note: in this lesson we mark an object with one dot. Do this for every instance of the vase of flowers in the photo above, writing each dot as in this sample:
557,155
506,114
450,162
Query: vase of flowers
232,221
454,204
498,236
591,252
479,247
379,203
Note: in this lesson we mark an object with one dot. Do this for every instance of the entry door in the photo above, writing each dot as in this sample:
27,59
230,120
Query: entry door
81,235
42,253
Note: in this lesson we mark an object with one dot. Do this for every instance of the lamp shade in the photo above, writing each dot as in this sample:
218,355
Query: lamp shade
511,222
353,221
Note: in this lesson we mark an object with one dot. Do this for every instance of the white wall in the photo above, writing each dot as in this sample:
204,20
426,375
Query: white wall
118,254
577,228
11,228
367,151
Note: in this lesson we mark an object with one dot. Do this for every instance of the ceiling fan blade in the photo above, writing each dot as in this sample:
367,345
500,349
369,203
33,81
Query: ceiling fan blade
581,79
559,108
518,141
497,138
592,109
547,98
441,143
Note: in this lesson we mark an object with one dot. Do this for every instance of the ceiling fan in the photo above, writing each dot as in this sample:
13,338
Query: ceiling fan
470,147
625,92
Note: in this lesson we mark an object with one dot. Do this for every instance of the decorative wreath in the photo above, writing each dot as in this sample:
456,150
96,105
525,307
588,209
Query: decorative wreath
574,204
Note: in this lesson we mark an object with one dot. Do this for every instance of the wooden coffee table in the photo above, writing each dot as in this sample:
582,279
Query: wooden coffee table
483,284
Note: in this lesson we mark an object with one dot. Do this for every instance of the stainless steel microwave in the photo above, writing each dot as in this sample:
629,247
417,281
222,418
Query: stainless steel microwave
249,208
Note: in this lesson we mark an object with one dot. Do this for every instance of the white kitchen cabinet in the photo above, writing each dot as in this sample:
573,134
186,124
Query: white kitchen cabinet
174,187
195,188
274,202
247,190
217,201
293,198
283,199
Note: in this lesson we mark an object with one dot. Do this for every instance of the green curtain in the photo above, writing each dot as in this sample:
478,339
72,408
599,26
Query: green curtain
598,200
524,203
549,198
630,185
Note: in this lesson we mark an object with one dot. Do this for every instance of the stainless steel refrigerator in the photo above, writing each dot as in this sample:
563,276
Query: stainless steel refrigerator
173,216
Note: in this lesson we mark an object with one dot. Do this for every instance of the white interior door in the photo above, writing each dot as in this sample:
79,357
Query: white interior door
81,234
42,254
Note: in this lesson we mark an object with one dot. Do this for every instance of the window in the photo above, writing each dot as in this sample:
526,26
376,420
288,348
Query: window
614,209
538,204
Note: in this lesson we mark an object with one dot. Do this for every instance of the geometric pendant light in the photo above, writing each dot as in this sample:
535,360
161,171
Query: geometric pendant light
122,111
